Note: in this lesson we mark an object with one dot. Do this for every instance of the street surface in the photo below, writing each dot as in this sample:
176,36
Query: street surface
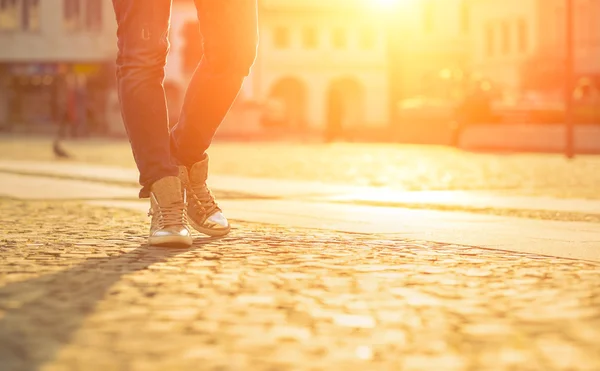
396,166
80,291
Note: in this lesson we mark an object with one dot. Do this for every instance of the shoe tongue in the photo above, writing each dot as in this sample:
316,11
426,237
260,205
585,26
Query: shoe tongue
199,172
167,190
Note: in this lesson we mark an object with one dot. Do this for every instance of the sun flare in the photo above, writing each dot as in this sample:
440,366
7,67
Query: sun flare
391,6
391,3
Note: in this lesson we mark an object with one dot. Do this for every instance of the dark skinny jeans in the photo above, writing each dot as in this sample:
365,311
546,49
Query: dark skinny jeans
230,38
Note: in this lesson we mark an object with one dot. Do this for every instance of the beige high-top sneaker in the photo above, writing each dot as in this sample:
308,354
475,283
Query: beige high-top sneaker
204,214
168,209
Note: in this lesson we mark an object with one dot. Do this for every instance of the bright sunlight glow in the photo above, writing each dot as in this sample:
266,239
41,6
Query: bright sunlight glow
387,4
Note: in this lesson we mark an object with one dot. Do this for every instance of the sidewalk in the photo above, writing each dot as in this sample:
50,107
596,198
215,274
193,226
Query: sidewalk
401,167
315,205
276,188
531,137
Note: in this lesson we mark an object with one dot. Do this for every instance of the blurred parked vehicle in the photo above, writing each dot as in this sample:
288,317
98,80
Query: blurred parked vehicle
274,113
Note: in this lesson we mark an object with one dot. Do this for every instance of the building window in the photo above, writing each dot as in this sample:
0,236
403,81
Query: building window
281,37
93,15
523,35
368,38
9,15
505,32
465,17
560,29
584,17
594,35
19,15
428,17
340,38
310,38
30,15
490,39
72,11
82,15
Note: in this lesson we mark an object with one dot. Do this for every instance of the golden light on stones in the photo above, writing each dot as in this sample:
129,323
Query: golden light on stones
364,352
356,321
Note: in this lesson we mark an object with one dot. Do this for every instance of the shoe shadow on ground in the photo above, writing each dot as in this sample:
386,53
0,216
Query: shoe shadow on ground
40,315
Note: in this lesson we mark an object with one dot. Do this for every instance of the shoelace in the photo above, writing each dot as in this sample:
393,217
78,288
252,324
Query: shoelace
173,215
205,198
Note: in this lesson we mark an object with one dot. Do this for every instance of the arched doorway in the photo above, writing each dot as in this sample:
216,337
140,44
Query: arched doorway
345,107
286,106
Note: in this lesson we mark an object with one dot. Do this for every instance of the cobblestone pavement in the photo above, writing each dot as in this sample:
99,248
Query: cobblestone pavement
79,290
399,166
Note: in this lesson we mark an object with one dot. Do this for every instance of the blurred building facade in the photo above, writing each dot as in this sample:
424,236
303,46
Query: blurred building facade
432,42
522,43
513,52
505,39
51,54
321,66
516,44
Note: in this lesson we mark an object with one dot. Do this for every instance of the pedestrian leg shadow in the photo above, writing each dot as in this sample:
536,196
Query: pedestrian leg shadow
40,315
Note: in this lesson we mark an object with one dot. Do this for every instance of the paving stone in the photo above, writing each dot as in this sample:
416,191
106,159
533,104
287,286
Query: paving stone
93,296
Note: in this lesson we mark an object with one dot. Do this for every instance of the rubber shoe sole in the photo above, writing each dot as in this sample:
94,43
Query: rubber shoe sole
209,231
171,241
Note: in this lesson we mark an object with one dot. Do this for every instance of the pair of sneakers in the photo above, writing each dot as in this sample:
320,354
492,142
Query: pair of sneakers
178,204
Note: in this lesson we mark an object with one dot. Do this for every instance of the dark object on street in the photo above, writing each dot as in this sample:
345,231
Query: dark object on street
335,116
476,108
59,152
